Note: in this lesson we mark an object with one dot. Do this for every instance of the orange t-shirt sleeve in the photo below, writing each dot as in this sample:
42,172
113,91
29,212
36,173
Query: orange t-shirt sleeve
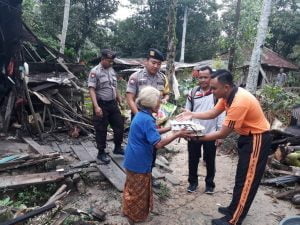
235,117
220,105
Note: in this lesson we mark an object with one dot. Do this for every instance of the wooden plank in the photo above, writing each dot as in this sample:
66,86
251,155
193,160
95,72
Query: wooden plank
43,86
81,153
55,147
13,158
9,108
111,171
29,179
36,147
65,148
88,144
119,161
23,163
12,147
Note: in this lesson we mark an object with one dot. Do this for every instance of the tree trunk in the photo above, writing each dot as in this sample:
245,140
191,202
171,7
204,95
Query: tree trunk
65,26
170,69
184,34
235,32
254,66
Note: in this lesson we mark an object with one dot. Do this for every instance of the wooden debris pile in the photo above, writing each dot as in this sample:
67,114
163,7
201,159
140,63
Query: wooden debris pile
283,168
29,168
43,93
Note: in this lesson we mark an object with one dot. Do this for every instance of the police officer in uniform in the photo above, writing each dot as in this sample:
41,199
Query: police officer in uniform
149,76
102,83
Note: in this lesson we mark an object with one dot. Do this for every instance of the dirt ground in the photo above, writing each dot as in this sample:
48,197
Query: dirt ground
184,208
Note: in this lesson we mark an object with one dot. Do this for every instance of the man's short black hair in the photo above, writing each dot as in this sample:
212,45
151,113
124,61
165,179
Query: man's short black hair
206,68
108,54
223,76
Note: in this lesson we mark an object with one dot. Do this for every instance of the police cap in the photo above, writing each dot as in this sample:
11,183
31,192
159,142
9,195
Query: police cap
155,54
107,54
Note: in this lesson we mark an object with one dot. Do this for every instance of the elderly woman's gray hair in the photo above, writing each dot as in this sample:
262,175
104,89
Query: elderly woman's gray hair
148,98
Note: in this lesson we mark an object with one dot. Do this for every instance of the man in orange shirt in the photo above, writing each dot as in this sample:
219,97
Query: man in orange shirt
245,116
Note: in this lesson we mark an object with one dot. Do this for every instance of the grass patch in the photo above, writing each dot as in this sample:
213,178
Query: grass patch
164,192
28,197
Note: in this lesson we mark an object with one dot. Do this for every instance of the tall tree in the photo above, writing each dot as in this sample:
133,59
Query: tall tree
84,21
148,28
171,52
247,28
285,36
64,27
254,66
185,18
235,34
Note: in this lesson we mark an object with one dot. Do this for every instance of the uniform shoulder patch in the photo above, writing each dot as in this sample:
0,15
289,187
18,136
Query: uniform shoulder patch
132,81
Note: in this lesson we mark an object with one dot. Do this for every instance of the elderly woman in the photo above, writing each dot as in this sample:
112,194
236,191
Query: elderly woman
143,137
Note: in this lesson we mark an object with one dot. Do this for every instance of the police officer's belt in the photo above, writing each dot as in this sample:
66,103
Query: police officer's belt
107,102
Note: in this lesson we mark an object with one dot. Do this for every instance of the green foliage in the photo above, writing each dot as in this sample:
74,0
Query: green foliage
145,29
6,202
249,17
35,195
148,28
277,102
185,85
293,79
164,192
45,18
92,28
218,64
282,36
285,35
203,29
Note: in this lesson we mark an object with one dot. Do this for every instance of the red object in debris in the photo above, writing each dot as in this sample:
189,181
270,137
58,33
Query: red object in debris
10,68
20,101
74,132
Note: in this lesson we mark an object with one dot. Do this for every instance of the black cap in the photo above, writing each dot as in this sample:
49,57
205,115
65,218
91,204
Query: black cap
155,54
108,54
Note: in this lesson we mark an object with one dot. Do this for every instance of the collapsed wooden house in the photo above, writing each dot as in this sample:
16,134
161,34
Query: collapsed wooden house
39,87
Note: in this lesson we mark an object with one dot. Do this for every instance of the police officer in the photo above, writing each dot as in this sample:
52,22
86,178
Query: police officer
102,83
149,76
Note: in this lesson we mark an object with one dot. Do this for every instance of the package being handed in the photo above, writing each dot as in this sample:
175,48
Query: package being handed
189,125
165,111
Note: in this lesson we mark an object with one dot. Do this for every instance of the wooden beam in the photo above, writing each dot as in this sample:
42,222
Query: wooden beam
32,109
9,108
65,148
29,179
29,162
263,73
31,214
288,194
111,171
36,147
81,153
53,198
73,121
